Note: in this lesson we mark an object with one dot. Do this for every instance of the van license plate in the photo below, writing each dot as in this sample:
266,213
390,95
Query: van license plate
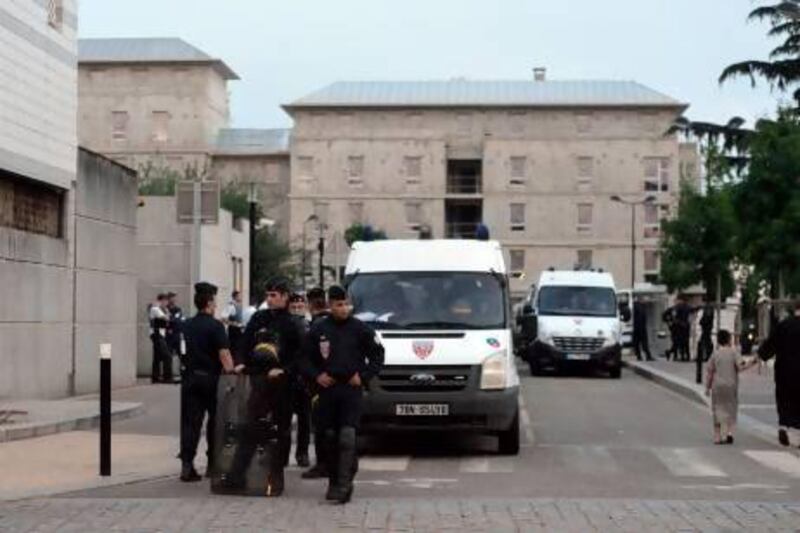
578,356
422,409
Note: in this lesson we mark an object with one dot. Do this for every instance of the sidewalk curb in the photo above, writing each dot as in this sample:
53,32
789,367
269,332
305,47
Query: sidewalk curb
695,393
119,411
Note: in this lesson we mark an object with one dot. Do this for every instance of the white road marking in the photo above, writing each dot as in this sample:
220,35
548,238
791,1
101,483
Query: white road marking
486,465
687,462
784,462
525,422
384,464
593,459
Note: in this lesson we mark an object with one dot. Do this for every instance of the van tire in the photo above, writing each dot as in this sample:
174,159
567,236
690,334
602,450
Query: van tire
536,370
615,372
509,439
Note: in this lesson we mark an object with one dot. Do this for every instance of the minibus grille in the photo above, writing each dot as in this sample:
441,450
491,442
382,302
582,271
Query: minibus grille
418,378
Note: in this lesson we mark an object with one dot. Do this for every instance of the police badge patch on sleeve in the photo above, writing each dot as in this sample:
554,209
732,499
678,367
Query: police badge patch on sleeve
324,347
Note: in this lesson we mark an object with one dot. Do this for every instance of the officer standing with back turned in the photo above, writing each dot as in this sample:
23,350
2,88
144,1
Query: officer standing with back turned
342,354
207,356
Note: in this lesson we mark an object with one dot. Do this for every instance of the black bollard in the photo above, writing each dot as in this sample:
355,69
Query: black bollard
105,410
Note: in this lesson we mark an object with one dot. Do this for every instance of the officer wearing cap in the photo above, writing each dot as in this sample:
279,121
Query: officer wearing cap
207,356
281,328
341,355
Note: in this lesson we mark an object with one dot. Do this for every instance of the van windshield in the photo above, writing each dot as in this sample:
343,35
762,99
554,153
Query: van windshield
423,300
577,301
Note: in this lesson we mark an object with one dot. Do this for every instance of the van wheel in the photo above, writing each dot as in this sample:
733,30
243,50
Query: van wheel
536,370
509,439
616,372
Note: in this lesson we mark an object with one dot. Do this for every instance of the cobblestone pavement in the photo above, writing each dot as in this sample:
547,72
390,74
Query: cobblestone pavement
239,514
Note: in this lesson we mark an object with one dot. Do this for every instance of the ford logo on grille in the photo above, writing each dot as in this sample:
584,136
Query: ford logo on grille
423,378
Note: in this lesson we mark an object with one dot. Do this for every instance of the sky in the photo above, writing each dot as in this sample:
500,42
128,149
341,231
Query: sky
284,50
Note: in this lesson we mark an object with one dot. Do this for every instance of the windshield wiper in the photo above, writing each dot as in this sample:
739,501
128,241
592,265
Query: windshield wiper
377,324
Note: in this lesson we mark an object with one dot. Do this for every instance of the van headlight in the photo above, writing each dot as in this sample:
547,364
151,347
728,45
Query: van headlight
493,371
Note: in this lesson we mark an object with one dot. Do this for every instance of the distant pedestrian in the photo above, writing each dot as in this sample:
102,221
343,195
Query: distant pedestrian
233,317
683,319
668,317
174,330
161,369
783,344
641,343
722,384
705,345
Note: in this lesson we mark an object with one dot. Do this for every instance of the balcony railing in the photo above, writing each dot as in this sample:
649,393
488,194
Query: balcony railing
461,230
464,184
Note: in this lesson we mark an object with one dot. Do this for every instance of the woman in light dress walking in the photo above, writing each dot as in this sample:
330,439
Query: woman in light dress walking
722,383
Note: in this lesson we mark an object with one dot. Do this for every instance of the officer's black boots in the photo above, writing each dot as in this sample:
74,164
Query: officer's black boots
345,465
189,474
303,461
330,456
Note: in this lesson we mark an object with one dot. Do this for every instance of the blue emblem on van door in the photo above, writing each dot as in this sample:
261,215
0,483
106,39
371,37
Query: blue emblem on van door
494,343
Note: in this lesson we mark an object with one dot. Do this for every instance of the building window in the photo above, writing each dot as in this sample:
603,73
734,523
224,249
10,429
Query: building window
584,122
356,212
652,221
272,171
517,212
585,216
517,260
413,214
585,170
517,119
464,122
517,164
305,166
656,174
32,207
412,166
161,126
119,125
355,170
55,13
584,259
322,210
651,261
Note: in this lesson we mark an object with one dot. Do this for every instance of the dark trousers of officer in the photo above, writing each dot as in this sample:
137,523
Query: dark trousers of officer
683,338
198,400
340,408
641,344
234,335
162,359
301,406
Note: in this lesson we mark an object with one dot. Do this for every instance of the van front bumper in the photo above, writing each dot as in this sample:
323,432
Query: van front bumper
472,410
546,355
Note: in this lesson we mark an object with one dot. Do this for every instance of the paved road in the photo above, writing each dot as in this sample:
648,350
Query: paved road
594,450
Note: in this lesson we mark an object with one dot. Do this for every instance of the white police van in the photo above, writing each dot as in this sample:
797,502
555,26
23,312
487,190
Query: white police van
577,322
441,309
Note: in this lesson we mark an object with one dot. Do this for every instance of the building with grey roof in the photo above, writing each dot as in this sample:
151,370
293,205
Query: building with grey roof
537,161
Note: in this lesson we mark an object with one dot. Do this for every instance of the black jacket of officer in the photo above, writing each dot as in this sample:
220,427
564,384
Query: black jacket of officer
351,347
275,326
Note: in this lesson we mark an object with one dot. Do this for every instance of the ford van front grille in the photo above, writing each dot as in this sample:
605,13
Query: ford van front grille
418,378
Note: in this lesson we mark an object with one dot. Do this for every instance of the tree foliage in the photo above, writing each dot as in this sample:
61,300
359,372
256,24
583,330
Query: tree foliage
363,232
767,202
273,257
157,180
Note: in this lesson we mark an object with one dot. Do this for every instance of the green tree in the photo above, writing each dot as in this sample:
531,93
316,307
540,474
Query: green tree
235,198
767,203
273,257
782,69
157,180
359,232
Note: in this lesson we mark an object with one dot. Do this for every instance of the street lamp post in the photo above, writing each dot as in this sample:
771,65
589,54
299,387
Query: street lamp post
304,257
321,257
253,223
633,204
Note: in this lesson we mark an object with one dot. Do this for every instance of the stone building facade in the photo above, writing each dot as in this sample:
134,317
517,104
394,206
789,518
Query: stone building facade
536,161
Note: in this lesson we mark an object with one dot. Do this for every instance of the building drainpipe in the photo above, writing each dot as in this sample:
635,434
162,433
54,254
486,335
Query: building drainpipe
72,378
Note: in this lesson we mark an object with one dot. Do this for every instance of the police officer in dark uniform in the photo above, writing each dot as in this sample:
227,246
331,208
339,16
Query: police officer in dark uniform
300,390
174,329
705,346
207,356
282,329
318,308
342,354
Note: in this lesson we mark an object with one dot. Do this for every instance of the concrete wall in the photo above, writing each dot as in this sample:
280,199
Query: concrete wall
106,270
38,135
553,143
164,256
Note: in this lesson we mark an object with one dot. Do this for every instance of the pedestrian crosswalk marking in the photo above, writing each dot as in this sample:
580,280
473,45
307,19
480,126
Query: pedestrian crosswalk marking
686,462
590,459
784,462
486,465
384,464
